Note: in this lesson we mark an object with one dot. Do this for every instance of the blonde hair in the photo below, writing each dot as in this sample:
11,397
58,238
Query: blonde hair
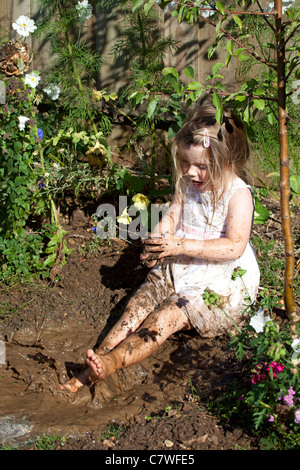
228,149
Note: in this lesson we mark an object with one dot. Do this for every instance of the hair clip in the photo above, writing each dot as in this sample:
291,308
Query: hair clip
206,142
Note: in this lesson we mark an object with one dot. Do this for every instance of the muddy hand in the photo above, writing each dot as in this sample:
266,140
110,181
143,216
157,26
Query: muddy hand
158,248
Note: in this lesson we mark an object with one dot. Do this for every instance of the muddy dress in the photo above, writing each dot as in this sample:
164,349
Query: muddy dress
188,281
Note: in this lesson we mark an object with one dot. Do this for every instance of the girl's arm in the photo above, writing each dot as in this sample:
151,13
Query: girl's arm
170,221
164,230
232,246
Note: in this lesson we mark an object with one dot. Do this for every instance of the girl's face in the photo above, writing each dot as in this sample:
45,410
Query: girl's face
194,163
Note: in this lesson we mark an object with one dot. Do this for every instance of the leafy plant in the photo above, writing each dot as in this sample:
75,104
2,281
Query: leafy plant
143,48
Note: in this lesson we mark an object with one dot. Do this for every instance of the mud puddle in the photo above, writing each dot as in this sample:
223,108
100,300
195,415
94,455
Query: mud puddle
47,340
35,366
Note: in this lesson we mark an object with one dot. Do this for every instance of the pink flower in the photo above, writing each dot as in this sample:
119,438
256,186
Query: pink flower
261,370
276,368
289,398
258,376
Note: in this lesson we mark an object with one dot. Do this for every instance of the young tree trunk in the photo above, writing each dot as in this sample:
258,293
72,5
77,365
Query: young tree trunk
284,169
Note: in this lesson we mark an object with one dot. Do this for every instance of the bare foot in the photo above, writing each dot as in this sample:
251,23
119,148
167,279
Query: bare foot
100,367
75,383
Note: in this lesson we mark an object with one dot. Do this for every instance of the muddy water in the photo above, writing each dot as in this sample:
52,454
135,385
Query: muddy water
36,362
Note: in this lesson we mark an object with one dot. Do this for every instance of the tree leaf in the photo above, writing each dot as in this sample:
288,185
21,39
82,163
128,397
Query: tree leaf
237,21
259,104
220,7
172,71
189,71
152,107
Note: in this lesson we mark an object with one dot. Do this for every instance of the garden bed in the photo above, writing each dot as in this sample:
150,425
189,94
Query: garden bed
159,404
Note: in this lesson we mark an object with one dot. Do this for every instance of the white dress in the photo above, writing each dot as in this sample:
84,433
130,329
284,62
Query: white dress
190,278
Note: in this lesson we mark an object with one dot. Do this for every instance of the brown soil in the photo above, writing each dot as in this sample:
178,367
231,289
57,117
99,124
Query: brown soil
158,404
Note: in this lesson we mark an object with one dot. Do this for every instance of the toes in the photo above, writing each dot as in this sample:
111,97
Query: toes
89,353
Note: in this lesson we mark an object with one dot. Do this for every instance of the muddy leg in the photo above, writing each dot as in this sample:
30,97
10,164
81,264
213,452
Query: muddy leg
159,325
137,309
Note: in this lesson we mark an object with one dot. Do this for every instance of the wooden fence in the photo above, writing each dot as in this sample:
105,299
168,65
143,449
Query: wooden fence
103,30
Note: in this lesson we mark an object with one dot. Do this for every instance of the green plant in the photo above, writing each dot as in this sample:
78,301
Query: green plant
274,393
73,73
143,47
113,430
20,247
48,442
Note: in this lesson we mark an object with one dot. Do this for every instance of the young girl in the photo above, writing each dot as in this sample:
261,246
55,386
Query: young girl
204,241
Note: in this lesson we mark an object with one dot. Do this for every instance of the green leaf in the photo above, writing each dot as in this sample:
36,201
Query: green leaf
228,59
243,57
229,46
220,7
237,21
259,92
148,6
189,71
217,67
240,97
216,100
136,4
295,183
50,259
261,213
259,104
194,86
219,108
152,107
172,71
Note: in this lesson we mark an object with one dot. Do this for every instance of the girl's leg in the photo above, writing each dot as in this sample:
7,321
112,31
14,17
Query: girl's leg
137,309
162,323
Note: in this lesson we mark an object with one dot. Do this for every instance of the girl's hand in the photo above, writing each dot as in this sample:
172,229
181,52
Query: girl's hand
158,248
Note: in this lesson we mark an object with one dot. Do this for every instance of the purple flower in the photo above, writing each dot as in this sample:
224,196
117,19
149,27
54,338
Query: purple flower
271,419
40,133
297,416
288,399
93,229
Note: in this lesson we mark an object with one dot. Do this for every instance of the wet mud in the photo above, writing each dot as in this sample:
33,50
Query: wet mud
47,328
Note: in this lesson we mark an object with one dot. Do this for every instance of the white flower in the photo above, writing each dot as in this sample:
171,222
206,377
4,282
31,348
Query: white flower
296,354
52,91
22,122
296,345
32,79
140,201
259,321
24,26
85,10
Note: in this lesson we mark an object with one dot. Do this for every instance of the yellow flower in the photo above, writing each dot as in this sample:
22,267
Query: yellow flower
124,218
97,95
96,155
140,201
